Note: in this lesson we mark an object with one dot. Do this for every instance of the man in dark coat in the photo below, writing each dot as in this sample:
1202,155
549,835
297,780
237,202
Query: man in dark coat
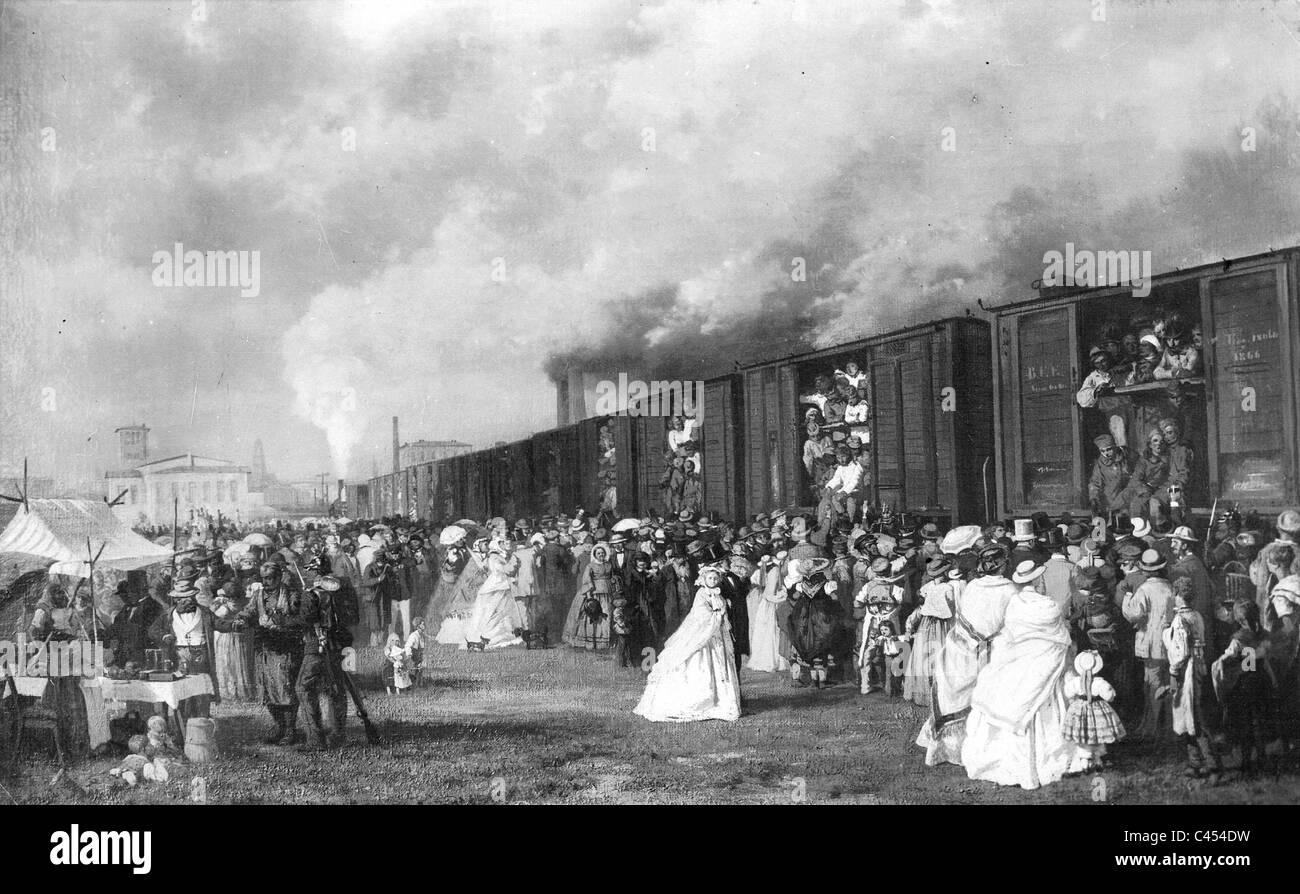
274,613
736,591
554,581
325,633
1108,483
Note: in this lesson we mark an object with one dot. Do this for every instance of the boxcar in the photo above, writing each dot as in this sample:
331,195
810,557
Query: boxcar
930,393
1239,416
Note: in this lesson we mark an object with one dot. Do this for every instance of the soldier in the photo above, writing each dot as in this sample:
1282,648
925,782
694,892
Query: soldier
325,634
1109,479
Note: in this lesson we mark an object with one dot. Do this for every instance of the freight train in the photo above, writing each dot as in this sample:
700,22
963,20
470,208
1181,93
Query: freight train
970,419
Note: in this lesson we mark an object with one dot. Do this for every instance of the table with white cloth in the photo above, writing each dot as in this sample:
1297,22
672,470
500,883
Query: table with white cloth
162,694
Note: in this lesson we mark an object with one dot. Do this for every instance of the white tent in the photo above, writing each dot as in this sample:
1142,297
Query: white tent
58,530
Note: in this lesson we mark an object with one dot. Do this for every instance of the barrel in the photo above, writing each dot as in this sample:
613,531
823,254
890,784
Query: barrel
200,740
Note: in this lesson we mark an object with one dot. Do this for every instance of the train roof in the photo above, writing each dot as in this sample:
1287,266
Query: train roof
1068,294
803,356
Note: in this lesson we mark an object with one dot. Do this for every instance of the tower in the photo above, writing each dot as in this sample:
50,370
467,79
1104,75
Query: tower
133,445
259,476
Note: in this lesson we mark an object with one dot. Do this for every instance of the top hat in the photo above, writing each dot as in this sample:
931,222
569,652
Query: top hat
1024,530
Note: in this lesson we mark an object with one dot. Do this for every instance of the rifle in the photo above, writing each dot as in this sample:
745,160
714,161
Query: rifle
338,675
1209,532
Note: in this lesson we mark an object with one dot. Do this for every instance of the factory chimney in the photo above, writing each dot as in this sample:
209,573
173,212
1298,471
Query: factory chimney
397,453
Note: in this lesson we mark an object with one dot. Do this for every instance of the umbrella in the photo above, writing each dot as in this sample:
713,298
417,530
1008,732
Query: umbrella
452,534
343,520
627,524
236,551
258,539
468,523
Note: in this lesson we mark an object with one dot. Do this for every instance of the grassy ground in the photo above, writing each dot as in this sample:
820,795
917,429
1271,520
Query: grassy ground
557,727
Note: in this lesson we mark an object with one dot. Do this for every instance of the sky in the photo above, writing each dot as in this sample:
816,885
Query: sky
453,202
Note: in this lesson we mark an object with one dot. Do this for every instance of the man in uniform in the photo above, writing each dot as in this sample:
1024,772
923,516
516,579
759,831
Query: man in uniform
1110,475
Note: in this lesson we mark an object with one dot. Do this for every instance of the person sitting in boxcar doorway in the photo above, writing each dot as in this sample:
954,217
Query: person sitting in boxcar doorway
1110,477
1098,391
1149,485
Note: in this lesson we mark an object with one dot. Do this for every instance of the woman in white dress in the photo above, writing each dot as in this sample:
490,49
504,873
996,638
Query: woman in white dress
496,616
1015,734
695,677
769,644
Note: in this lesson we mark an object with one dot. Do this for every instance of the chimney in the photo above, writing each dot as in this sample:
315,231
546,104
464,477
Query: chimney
397,453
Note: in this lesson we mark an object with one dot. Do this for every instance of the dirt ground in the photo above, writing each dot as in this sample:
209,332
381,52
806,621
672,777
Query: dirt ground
556,726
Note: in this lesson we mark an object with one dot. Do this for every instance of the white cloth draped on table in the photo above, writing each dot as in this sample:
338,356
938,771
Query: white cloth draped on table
695,677
1015,731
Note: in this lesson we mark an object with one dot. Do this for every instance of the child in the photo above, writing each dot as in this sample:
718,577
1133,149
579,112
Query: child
878,604
397,667
1243,681
1184,641
620,633
415,650
1091,723
852,374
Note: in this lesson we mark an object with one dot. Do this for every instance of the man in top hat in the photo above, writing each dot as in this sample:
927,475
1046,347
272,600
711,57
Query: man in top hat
1288,528
981,611
1025,543
1108,483
1149,609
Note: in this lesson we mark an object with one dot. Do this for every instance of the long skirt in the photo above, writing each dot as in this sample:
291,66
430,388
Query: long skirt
234,653
494,620
581,632
1039,756
768,642
922,652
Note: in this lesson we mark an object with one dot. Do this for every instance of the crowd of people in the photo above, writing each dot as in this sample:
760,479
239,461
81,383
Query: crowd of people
1035,643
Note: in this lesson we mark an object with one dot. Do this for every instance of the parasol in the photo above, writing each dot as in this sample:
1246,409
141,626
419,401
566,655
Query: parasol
452,534
627,524
259,539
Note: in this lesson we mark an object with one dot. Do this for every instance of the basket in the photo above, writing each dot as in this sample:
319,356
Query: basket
1237,583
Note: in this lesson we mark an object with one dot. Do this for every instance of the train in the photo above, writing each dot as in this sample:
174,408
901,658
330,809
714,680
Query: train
972,418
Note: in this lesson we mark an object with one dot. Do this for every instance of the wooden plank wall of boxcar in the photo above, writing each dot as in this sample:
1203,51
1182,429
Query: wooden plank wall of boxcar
722,447
650,443
973,431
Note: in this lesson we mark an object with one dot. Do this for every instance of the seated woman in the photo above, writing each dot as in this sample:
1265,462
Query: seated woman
1015,734
695,677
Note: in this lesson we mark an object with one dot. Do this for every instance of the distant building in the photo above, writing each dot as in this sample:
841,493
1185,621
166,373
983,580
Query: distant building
200,486
132,445
416,452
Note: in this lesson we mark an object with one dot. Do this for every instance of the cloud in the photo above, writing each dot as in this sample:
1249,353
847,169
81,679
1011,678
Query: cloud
642,179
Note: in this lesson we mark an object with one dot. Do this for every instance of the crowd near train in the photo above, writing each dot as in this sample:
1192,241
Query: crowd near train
1077,517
